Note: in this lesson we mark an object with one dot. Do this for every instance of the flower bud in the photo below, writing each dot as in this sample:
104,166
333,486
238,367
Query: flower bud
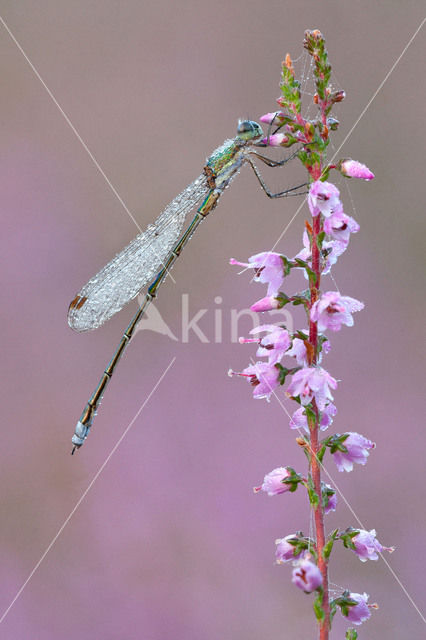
338,96
307,576
332,123
273,482
266,304
354,169
276,118
275,140
285,550
360,612
309,131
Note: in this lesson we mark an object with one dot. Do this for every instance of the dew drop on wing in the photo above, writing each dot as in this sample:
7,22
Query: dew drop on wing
137,264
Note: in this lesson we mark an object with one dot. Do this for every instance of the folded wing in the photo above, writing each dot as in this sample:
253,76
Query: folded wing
136,265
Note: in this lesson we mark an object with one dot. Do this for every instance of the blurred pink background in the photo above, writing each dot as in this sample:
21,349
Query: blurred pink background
170,541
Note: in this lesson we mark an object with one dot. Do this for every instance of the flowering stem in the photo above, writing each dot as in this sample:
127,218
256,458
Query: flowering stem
314,428
325,238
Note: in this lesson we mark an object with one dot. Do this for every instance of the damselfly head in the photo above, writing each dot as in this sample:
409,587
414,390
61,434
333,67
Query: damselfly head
249,130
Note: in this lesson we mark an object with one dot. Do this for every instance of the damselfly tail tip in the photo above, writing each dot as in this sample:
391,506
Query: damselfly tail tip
80,434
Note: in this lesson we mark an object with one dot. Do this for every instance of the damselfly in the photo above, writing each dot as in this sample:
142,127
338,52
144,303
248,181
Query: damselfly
157,248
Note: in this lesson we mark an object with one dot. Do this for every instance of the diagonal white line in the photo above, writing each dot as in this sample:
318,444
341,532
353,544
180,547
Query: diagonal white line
403,588
80,139
358,119
282,234
72,127
379,88
86,491
339,491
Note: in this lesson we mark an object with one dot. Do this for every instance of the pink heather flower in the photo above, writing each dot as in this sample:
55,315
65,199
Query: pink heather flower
353,169
359,612
276,117
340,226
327,415
300,421
332,250
262,376
307,576
312,382
323,198
298,351
326,347
331,502
367,546
285,551
332,310
273,345
357,451
306,253
273,482
268,268
266,304
276,139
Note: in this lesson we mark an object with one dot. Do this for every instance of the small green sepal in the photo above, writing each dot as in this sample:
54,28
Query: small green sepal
282,299
346,537
284,372
287,265
335,442
292,480
344,602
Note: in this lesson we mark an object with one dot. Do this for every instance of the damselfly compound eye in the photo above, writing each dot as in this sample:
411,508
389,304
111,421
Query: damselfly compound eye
249,130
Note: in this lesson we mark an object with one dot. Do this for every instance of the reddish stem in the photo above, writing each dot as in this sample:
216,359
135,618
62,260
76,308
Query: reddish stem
315,445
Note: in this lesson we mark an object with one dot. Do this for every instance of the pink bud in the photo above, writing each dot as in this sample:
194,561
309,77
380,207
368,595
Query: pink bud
354,169
275,117
266,304
276,140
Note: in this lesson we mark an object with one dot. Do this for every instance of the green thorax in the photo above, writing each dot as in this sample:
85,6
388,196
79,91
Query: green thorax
230,154
223,155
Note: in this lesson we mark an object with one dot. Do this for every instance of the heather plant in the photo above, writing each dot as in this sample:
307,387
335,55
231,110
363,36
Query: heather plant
296,358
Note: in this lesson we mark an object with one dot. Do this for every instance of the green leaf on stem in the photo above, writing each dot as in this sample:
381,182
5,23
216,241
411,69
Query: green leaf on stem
320,239
310,413
313,496
311,274
319,611
290,87
329,544
320,454
333,609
